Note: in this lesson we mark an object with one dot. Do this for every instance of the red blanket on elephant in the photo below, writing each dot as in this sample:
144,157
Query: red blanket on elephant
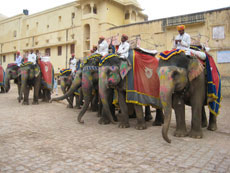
47,74
143,82
1,76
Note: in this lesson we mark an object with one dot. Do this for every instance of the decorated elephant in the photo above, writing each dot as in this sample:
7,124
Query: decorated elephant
87,78
66,82
2,80
30,77
12,73
47,78
117,73
182,81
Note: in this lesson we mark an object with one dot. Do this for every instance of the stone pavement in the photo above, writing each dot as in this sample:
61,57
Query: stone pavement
47,138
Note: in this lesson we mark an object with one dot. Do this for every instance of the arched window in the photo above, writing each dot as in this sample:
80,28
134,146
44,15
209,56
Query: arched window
87,37
127,15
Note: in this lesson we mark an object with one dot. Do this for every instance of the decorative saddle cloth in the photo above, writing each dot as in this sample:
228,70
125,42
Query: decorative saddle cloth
11,65
47,74
214,86
143,84
168,54
108,56
2,75
26,64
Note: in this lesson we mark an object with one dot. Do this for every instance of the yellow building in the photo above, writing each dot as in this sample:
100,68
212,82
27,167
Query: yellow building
66,29
75,28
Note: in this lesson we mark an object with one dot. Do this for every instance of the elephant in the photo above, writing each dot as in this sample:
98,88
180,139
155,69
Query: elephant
182,81
87,78
66,82
30,77
112,75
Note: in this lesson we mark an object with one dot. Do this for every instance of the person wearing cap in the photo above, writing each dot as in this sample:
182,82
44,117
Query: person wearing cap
32,57
103,47
72,63
18,60
123,50
182,40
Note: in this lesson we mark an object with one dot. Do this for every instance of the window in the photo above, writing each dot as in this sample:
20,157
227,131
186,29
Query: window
72,36
59,38
4,58
47,26
127,15
27,44
36,43
14,56
72,47
27,26
87,9
94,9
15,34
218,32
59,18
73,15
59,50
37,24
47,51
47,41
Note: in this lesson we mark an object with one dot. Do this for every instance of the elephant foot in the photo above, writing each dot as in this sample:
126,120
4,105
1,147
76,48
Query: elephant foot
212,127
35,102
124,125
204,124
148,117
196,134
157,123
103,121
181,133
69,106
25,103
141,125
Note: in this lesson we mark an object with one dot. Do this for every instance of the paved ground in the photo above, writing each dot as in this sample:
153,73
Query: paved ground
46,138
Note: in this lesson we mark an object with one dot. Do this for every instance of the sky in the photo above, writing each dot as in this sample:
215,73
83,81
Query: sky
155,9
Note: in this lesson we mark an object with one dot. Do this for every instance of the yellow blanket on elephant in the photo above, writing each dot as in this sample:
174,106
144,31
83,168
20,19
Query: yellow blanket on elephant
168,54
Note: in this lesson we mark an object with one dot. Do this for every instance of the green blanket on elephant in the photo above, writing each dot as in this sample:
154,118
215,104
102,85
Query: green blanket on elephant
142,80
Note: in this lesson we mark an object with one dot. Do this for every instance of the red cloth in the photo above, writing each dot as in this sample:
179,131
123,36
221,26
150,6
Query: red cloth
215,74
1,75
47,74
145,74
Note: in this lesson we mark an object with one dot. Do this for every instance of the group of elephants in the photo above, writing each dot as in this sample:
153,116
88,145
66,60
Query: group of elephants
182,81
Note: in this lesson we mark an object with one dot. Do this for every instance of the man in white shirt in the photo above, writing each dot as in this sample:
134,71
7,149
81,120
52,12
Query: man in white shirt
72,63
103,47
123,50
32,57
183,40
18,60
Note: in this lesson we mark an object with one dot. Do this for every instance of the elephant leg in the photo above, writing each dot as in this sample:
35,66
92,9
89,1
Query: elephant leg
204,118
123,117
78,104
159,119
36,90
26,96
212,122
94,104
148,115
131,111
70,101
103,120
141,124
179,108
100,108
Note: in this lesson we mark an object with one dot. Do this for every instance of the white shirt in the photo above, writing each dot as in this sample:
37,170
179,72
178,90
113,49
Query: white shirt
32,58
18,60
185,41
72,64
123,50
103,48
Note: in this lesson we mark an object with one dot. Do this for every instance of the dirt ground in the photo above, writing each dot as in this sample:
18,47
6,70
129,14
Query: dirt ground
47,138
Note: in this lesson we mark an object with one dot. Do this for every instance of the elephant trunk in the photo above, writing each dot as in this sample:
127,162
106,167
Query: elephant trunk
24,78
103,87
87,99
166,90
76,84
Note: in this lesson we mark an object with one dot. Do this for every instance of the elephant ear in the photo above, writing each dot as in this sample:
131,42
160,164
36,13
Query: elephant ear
124,68
195,68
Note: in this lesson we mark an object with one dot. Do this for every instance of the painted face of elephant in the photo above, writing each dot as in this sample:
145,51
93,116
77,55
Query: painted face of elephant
175,76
